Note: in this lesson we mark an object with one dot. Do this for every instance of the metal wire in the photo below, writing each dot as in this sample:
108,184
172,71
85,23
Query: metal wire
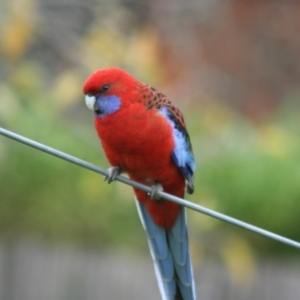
145,188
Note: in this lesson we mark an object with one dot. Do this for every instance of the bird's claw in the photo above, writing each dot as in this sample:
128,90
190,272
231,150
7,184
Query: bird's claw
155,189
112,174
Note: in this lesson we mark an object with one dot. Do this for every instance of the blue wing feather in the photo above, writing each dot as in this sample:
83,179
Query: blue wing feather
182,154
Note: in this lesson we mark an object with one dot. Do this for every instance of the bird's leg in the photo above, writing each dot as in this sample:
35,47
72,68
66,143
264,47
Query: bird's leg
155,189
112,173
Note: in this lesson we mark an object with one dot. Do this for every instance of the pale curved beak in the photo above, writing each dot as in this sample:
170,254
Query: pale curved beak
90,101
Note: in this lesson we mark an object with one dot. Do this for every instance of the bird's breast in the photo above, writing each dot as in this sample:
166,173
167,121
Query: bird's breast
136,139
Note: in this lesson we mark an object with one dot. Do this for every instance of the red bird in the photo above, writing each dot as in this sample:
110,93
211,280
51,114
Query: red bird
144,134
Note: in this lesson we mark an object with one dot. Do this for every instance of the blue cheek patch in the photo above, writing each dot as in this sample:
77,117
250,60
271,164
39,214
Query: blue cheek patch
107,105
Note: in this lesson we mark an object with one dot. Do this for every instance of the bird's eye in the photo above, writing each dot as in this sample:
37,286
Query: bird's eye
104,88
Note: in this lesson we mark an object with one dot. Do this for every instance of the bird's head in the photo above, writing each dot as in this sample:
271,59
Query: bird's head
107,90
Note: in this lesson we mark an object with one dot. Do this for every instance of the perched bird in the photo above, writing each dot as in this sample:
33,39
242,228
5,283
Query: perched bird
144,134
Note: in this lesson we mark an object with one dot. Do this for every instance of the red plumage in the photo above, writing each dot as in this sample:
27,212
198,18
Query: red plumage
139,139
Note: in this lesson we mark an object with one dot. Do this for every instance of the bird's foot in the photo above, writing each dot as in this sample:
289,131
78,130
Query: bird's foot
112,174
155,189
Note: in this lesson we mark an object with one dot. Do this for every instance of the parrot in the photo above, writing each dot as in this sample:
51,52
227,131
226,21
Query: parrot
144,135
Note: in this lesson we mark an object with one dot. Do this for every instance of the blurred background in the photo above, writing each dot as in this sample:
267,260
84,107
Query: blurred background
231,66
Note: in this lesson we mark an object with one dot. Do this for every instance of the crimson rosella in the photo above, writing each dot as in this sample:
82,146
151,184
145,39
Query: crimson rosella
144,134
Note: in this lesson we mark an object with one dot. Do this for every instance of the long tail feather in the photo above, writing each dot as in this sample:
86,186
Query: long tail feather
170,253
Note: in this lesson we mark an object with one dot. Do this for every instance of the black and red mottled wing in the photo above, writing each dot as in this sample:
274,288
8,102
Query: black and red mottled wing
182,154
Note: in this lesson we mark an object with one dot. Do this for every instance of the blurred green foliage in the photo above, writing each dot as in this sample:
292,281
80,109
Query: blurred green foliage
249,171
